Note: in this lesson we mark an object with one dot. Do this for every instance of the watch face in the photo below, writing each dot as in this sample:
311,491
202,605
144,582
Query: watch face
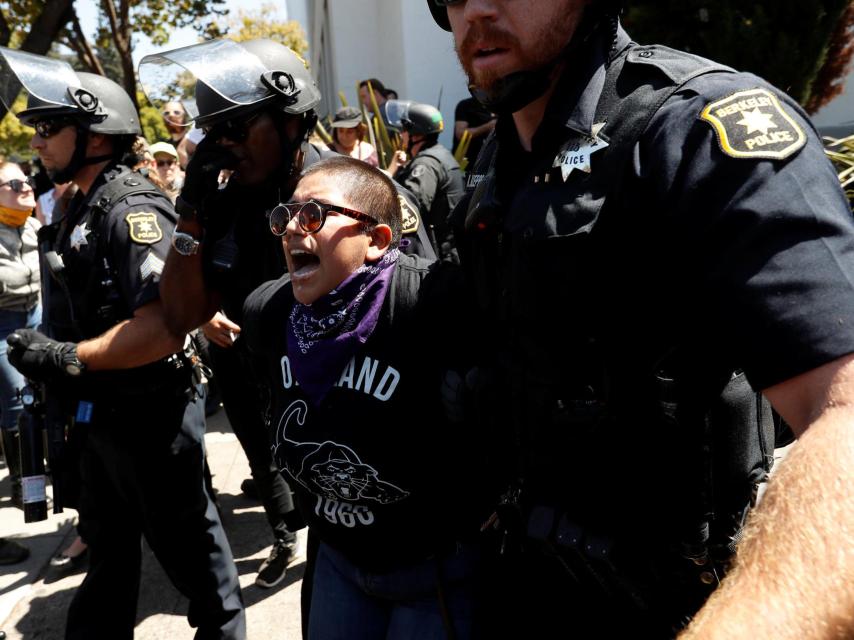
185,244
73,369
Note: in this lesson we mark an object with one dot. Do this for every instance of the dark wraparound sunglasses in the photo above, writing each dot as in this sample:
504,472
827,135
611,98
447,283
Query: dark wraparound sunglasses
235,130
18,185
310,215
49,128
447,3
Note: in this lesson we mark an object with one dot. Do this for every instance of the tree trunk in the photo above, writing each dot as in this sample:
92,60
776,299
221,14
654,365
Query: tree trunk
120,30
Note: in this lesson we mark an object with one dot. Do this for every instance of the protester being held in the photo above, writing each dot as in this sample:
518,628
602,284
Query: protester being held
354,343
223,250
479,121
348,136
20,283
652,239
171,175
177,124
432,173
111,366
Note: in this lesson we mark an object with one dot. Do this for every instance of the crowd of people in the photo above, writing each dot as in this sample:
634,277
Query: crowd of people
538,400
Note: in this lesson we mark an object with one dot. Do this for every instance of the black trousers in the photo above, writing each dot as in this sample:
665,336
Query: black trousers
142,474
242,401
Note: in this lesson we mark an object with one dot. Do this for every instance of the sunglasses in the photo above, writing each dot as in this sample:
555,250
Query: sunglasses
165,163
18,185
49,128
447,3
310,215
235,130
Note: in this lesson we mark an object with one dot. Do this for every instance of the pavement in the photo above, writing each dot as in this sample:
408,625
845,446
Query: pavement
34,596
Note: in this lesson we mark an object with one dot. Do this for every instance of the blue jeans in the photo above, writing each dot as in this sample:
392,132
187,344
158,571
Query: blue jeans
353,604
10,379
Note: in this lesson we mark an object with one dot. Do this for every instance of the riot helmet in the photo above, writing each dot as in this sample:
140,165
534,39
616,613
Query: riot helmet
54,90
230,79
414,117
519,88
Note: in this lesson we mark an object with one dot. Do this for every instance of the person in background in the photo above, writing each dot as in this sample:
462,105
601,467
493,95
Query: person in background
348,133
51,205
170,172
479,121
176,120
19,307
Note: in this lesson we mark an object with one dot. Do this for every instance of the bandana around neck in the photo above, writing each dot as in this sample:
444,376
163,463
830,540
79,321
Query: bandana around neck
14,217
323,336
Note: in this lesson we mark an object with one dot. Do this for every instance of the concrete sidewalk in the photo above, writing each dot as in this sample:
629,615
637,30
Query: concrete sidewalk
34,597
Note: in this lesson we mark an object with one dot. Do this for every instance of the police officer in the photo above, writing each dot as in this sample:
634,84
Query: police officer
651,238
114,367
432,174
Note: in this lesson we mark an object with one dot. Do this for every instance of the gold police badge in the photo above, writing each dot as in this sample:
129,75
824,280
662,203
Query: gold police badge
143,228
411,219
753,124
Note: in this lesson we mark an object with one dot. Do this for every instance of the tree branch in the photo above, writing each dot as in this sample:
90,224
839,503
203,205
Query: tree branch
83,48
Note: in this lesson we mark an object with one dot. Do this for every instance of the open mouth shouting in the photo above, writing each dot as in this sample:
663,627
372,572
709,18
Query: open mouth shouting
302,263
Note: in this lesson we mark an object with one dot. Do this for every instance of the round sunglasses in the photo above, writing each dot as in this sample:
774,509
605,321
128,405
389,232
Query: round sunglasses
18,185
311,216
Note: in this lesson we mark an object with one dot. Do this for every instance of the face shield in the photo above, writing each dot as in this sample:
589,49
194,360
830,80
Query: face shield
226,68
52,85
396,112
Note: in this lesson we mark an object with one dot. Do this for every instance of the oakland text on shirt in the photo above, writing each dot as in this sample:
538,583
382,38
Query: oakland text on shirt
367,375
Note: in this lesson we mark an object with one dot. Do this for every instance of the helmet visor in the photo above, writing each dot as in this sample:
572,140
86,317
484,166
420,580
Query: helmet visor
45,79
396,111
224,66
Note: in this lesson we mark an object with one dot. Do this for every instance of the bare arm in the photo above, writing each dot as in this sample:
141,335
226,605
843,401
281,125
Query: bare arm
794,571
460,127
187,302
143,339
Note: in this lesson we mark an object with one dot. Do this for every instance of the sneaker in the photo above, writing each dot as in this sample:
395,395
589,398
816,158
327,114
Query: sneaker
273,569
12,552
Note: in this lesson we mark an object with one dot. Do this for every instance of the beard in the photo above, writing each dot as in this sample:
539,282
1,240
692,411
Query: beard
548,42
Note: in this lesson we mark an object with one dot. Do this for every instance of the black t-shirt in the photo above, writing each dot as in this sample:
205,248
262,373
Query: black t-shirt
379,473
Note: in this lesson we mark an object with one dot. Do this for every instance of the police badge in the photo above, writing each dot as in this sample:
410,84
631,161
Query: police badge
143,228
753,124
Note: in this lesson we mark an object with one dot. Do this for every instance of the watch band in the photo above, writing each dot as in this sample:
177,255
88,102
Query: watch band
73,365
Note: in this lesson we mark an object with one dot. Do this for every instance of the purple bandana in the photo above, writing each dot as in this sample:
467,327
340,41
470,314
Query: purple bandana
323,336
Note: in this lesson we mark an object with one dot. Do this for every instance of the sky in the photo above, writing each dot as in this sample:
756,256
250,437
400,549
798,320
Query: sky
87,10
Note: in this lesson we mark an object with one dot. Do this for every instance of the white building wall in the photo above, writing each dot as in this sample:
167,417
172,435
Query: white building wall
393,40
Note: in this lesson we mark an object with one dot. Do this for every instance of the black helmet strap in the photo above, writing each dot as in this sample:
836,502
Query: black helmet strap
78,159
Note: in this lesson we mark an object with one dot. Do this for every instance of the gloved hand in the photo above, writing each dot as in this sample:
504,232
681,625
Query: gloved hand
201,177
38,357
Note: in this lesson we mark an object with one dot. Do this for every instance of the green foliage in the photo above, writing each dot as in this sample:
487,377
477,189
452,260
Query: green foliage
784,41
261,23
15,137
150,120
841,152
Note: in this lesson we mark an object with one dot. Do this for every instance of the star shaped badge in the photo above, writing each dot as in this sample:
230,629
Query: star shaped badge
575,154
78,236
757,121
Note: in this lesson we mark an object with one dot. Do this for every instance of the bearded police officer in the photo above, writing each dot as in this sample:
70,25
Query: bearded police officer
650,237
433,175
117,371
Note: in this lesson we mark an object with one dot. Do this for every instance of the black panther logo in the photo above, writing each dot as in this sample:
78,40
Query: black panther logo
329,469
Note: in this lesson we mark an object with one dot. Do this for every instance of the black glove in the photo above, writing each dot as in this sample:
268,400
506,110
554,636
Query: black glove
201,177
38,357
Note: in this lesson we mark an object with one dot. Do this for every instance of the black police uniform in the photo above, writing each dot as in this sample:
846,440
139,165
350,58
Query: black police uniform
675,232
435,178
143,458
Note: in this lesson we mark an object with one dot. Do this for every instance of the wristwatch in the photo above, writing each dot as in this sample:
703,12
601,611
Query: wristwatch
73,365
185,244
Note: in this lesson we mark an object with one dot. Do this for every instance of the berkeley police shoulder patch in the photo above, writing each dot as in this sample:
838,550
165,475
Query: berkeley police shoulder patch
753,124
143,228
410,216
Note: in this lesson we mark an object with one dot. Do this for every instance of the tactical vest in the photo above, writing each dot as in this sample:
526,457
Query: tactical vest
449,191
83,298
632,442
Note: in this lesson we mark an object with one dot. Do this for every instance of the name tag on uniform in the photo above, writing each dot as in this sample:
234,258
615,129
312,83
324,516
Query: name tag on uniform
84,412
